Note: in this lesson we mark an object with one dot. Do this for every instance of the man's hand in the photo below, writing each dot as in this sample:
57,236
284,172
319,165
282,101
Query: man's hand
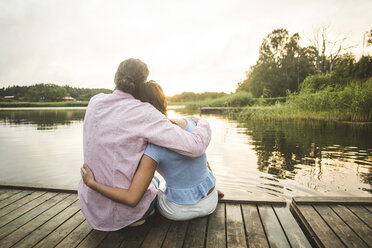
87,175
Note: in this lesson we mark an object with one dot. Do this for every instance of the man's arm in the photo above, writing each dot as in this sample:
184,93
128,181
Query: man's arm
160,131
141,181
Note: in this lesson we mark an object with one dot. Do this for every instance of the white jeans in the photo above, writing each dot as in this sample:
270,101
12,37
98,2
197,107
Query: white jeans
174,211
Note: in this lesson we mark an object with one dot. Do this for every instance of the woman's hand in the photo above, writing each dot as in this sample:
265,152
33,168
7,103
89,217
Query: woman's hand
87,175
194,119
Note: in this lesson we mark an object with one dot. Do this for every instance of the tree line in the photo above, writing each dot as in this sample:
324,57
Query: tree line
49,92
192,96
283,64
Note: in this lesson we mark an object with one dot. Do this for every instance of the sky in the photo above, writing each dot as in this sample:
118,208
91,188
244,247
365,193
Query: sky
188,45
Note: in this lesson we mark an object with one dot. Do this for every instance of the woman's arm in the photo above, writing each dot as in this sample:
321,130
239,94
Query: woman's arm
160,131
141,181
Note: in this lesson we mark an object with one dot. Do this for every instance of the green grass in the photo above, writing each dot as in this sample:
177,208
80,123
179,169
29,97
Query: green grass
42,104
288,112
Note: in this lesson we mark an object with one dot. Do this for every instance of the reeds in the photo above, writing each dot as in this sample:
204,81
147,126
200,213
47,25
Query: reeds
352,103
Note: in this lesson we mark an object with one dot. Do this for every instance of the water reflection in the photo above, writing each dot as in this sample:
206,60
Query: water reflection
43,118
339,154
41,146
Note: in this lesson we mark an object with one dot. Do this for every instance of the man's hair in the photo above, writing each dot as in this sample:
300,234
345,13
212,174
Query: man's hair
130,75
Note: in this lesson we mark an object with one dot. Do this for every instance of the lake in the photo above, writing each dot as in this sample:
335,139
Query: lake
256,158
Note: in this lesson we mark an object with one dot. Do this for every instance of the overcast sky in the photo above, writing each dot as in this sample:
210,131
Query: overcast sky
187,45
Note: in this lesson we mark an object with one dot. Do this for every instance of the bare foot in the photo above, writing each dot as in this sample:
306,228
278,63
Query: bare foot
220,193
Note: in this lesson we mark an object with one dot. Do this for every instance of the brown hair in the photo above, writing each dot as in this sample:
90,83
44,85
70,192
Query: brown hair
130,75
152,93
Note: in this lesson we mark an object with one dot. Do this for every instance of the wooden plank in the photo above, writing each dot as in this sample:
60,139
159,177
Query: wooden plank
176,234
19,203
362,213
255,232
195,235
348,237
3,191
157,233
359,227
20,227
274,232
39,187
76,236
93,239
62,231
369,208
134,236
315,227
42,231
25,208
234,226
13,198
113,239
300,200
8,194
247,199
292,230
216,234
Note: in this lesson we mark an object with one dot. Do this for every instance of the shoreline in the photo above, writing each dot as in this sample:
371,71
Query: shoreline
42,104
273,112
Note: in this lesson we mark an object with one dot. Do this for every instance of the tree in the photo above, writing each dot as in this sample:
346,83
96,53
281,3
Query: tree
369,38
282,64
50,92
327,51
46,93
363,68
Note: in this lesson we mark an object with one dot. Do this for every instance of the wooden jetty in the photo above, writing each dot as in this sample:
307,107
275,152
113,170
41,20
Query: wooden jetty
219,110
335,221
52,218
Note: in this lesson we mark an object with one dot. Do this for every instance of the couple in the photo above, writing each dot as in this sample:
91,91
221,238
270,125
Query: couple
127,136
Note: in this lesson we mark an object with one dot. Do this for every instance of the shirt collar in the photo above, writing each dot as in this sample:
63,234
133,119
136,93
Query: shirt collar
123,94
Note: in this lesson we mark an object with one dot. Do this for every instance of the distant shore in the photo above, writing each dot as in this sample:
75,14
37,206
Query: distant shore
42,104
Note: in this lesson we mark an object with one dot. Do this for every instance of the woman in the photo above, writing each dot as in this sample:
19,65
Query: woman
190,190
117,128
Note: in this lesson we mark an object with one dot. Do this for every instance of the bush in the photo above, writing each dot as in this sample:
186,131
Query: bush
315,83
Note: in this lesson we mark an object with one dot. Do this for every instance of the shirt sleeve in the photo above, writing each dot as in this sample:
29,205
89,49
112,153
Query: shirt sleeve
153,151
157,129
190,124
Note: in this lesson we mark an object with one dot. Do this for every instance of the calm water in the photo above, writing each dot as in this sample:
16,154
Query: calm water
260,159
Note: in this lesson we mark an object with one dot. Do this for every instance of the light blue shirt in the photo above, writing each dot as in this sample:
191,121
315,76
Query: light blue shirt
188,180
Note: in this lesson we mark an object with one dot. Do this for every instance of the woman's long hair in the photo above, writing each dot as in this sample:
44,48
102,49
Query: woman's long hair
152,93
